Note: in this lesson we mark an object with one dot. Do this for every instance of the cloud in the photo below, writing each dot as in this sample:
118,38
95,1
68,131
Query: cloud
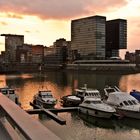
3,23
27,31
1,43
59,9
11,15
133,33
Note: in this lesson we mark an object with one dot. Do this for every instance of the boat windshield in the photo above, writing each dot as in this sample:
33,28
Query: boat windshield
11,92
46,96
129,102
91,94
110,90
96,102
79,93
5,92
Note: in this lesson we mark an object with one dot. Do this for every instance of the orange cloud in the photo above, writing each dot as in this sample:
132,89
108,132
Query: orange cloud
3,23
27,31
59,9
11,15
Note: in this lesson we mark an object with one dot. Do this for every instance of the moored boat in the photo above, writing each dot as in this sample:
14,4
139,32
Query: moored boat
135,94
10,93
45,99
96,107
84,92
70,101
125,104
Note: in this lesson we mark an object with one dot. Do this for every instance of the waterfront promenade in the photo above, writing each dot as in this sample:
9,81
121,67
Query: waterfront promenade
16,124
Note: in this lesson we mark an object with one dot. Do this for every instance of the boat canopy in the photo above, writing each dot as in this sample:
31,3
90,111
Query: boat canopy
87,90
116,98
135,94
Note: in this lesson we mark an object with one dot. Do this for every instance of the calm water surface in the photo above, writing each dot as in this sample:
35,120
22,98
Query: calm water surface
79,126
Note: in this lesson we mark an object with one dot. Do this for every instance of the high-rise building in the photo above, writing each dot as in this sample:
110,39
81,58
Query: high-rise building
11,44
116,36
88,37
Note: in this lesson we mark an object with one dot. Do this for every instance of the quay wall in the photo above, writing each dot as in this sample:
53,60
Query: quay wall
15,67
30,67
102,67
27,67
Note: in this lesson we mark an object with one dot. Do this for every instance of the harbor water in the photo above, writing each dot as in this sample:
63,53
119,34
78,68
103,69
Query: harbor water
78,126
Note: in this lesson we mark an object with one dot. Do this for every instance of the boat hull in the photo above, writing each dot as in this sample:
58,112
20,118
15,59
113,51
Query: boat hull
44,104
95,112
128,113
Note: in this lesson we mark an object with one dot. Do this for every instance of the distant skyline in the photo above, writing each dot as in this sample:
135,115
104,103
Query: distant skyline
44,21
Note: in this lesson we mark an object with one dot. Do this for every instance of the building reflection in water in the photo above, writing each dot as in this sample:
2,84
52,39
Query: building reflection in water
64,83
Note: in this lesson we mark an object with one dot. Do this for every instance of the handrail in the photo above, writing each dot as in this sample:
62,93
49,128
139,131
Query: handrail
31,129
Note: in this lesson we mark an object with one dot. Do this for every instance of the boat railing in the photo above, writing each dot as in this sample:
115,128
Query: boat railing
20,125
117,88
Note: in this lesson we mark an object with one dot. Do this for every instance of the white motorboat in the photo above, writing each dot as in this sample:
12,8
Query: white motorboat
10,93
44,98
125,104
84,92
96,107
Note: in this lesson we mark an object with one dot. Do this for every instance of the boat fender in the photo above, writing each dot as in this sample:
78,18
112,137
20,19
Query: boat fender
87,112
16,100
96,112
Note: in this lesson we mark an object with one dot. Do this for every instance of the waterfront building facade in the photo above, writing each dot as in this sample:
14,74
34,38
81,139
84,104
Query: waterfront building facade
37,53
88,38
133,57
11,44
116,37
24,54
28,53
58,53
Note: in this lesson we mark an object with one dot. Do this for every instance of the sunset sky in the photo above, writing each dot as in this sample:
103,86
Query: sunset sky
44,21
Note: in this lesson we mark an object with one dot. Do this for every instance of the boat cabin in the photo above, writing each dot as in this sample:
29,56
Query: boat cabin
92,101
10,93
121,99
45,94
108,90
87,93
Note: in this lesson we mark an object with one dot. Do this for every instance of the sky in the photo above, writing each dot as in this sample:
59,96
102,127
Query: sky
44,21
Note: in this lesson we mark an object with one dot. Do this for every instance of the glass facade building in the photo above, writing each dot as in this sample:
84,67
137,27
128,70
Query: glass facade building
116,36
88,37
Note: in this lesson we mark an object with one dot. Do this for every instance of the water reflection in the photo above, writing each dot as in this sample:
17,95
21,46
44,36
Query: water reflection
63,83
97,122
81,127
114,123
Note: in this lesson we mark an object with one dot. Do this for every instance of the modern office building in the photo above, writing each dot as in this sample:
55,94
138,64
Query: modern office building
116,37
88,38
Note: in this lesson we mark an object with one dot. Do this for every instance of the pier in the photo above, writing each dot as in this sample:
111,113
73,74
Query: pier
51,112
15,123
